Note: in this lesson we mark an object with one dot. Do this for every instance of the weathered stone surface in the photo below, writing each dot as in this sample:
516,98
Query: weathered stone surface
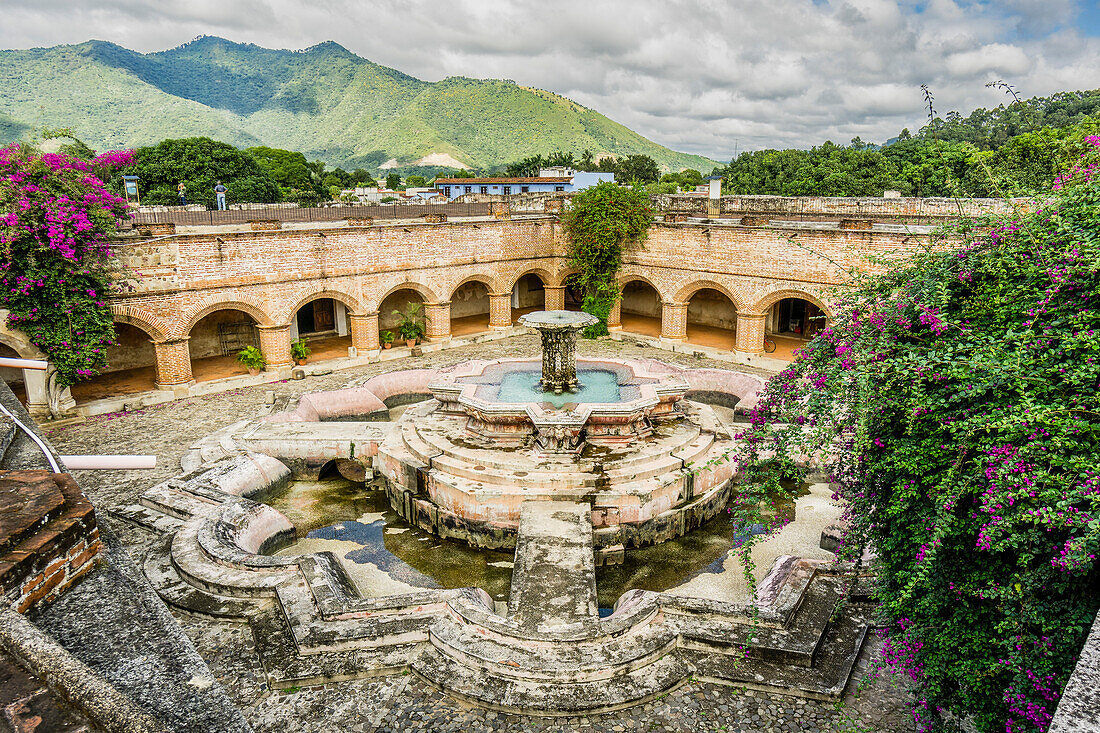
554,579
1079,709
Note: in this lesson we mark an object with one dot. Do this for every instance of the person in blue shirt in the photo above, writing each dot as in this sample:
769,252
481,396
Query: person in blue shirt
219,191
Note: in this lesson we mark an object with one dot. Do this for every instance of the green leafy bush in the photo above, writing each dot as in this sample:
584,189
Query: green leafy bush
252,357
956,397
299,349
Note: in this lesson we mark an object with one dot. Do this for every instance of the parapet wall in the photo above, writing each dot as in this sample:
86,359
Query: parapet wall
924,210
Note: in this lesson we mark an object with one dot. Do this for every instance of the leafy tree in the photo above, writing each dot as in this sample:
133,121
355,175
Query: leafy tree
601,221
56,220
955,396
415,181
200,163
362,177
287,168
637,169
393,180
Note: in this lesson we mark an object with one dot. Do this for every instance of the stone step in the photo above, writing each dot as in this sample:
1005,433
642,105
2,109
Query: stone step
148,518
551,698
583,661
826,680
517,475
667,440
312,634
196,567
176,592
175,503
286,667
796,645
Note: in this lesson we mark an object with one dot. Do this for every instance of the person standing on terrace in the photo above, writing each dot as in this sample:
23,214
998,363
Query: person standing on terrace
219,192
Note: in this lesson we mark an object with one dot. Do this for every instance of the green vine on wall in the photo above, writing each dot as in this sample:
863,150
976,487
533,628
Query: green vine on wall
603,220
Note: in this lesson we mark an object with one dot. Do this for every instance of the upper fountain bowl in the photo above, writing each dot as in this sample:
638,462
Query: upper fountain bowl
558,320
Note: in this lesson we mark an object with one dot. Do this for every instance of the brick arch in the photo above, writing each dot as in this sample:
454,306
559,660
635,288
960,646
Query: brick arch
772,298
253,309
683,295
152,325
627,278
425,292
562,275
490,283
352,304
541,272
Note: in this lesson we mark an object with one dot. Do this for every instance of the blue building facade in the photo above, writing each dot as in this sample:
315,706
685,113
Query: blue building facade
452,188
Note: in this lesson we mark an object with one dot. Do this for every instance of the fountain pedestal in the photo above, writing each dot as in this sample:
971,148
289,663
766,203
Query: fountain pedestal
559,346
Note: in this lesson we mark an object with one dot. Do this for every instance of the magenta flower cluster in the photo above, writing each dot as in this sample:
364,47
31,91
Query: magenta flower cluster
57,217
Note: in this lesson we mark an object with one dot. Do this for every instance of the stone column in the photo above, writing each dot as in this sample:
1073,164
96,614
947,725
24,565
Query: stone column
500,311
437,320
173,365
275,343
674,321
615,316
750,333
555,297
364,331
38,394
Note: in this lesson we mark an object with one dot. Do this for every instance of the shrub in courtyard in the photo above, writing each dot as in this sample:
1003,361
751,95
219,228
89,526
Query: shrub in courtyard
56,219
252,358
955,398
299,350
602,220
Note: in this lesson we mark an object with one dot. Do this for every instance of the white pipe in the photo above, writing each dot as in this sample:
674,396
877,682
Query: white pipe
37,364
34,436
108,463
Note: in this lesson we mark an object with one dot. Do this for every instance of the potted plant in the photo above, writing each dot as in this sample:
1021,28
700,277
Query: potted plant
299,351
387,339
411,326
253,358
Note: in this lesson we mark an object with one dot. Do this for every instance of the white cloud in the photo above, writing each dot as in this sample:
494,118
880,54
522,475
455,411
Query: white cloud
697,75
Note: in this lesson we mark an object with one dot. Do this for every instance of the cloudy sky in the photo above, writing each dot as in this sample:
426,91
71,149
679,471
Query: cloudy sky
704,76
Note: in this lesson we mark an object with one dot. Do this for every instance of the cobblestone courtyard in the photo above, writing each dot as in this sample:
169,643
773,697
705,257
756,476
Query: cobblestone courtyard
404,702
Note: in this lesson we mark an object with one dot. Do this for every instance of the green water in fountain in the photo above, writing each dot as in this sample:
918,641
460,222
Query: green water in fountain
597,385
383,554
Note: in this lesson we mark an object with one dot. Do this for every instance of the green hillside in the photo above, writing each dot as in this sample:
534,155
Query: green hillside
325,102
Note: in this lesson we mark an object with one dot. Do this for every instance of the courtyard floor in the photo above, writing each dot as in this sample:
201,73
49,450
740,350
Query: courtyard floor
404,702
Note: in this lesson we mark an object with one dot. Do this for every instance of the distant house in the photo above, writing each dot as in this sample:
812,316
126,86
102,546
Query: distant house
549,180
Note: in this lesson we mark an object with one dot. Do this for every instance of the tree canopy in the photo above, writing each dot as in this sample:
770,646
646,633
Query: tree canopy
199,163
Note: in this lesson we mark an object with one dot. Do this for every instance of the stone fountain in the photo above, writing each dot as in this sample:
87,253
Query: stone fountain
558,330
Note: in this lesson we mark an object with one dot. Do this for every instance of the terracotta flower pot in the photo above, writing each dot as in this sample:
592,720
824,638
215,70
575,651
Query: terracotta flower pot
410,343
301,362
387,345
253,371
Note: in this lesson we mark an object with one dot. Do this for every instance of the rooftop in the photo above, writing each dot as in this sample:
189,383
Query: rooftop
536,179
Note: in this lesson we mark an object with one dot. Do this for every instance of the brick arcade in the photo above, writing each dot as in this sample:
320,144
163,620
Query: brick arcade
199,293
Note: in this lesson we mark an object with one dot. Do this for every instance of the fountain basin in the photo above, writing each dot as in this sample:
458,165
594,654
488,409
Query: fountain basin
618,409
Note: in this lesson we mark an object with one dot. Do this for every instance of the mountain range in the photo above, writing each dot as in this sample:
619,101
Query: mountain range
325,102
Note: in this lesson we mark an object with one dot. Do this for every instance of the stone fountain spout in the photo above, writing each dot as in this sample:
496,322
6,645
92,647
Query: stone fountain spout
558,330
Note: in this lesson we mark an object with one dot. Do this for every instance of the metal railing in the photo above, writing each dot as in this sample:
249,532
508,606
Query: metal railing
176,215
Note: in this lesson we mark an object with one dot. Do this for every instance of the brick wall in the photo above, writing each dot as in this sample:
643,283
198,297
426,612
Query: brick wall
48,536
268,275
